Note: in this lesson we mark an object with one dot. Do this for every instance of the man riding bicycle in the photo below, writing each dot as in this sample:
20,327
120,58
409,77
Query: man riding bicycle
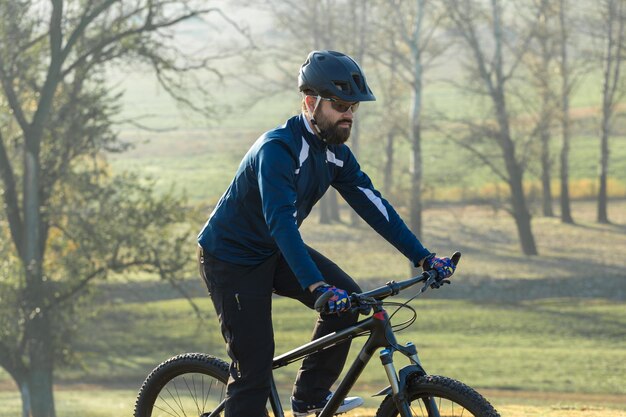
250,247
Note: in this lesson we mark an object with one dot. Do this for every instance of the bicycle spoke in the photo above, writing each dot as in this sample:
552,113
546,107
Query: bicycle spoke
208,392
204,398
421,409
192,394
168,404
179,402
165,411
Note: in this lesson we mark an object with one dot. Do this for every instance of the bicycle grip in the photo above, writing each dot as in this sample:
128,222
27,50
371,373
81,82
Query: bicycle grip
322,301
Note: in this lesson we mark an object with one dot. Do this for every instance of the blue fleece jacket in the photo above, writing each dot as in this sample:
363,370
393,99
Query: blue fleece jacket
279,180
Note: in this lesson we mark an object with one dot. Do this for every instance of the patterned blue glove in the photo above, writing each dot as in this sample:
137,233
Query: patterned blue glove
340,301
443,266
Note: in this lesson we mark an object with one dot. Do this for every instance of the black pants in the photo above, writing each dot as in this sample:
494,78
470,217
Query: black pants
242,296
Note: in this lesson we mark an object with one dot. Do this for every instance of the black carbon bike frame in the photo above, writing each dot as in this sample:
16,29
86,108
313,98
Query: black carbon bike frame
381,335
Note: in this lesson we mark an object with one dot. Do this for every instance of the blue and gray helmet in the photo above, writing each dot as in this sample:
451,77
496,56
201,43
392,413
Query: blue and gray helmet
333,74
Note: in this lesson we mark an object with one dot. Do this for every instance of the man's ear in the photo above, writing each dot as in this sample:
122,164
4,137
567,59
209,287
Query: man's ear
309,101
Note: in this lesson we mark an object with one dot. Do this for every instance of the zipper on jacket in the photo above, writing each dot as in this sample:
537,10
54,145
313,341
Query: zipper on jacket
238,303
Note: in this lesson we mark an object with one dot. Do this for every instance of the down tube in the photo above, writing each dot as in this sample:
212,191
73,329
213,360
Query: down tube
351,376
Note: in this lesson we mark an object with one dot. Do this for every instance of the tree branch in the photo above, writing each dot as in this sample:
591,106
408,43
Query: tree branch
12,363
478,131
465,24
14,103
618,56
82,25
11,199
148,26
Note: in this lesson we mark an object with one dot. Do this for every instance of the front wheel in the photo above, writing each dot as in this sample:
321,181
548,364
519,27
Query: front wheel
192,384
432,395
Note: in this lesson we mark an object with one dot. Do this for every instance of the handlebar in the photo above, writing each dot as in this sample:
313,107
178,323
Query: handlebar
390,288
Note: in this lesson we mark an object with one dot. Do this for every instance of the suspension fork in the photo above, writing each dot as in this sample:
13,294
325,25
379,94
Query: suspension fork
398,381
399,394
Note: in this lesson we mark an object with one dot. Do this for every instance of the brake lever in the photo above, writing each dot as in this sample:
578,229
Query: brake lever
433,282
432,278
363,305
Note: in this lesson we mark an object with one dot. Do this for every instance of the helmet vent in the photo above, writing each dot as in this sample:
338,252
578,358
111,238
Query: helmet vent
359,82
343,86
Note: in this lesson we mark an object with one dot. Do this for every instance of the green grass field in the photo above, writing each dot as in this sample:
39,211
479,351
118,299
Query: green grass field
537,336
540,336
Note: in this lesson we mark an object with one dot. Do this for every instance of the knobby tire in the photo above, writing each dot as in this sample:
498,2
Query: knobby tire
453,399
187,384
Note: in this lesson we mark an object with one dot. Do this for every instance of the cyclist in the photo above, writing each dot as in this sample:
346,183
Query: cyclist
250,247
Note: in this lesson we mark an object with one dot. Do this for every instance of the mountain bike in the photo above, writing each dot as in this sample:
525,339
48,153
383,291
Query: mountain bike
194,384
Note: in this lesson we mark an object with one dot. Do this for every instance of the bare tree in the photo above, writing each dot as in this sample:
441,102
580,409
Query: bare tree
566,90
613,17
540,60
407,49
51,56
359,26
392,119
493,77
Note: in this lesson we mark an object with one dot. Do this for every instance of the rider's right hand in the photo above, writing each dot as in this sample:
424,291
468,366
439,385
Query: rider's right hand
338,302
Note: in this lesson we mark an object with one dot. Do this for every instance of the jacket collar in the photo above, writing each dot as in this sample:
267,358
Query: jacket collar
310,136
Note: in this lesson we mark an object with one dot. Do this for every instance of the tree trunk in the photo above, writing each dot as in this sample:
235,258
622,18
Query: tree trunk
324,211
416,162
333,205
354,217
40,379
416,177
604,168
520,210
40,349
521,213
415,125
388,170
360,28
566,211
514,170
613,59
602,215
391,105
25,394
546,109
546,166
518,199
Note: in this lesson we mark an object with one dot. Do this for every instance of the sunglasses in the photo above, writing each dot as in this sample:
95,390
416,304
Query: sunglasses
341,106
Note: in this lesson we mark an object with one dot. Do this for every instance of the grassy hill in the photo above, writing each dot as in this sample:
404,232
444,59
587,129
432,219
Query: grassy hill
537,336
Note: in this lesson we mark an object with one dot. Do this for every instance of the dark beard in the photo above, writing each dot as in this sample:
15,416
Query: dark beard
332,133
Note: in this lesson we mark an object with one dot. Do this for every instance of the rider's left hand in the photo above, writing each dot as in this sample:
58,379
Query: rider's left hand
443,266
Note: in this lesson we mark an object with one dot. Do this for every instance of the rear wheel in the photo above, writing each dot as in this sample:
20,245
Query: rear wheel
192,384
433,395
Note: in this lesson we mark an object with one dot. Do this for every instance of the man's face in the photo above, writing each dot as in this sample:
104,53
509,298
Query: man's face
335,124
